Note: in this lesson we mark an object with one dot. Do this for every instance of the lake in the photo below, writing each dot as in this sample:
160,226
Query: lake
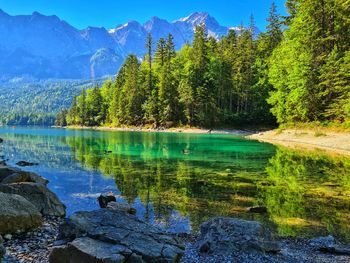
178,180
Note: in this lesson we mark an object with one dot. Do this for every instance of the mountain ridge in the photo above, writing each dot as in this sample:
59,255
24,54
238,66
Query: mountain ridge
45,47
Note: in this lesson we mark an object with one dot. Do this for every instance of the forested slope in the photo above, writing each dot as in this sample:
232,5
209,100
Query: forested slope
37,103
298,71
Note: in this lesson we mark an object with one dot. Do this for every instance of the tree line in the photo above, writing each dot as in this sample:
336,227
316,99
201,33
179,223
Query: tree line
296,71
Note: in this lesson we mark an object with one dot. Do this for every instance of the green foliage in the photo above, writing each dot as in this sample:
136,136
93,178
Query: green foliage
300,75
211,83
303,189
309,70
61,118
36,103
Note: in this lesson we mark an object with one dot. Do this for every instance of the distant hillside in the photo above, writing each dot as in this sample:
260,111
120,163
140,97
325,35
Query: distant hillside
36,102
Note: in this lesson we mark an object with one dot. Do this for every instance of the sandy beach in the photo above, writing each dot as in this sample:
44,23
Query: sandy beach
329,141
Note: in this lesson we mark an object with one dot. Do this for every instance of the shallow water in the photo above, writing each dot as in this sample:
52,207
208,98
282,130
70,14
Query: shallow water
177,180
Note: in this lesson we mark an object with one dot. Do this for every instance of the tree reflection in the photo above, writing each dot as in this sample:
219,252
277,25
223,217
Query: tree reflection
307,193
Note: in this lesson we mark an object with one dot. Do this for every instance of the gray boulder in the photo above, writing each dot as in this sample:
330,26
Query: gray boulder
223,236
124,207
17,214
46,202
114,236
89,250
10,175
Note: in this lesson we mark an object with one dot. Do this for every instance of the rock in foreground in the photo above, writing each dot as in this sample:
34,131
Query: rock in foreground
227,235
39,195
113,236
9,175
17,214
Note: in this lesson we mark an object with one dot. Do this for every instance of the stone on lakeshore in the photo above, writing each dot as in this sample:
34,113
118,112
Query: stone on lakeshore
115,235
124,207
10,175
103,200
39,195
1,140
89,250
17,214
222,236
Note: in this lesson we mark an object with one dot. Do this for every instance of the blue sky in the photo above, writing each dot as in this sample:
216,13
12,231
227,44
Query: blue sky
110,13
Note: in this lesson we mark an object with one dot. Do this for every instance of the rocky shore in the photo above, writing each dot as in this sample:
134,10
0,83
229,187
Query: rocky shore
33,228
30,215
35,245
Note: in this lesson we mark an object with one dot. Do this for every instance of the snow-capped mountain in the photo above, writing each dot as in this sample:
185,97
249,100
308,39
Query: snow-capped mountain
47,47
187,24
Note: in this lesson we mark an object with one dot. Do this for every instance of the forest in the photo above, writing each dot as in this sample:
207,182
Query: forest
298,71
36,102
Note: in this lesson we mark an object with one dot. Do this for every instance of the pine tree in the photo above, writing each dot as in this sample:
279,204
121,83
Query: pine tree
130,100
291,6
82,109
73,113
94,105
167,91
151,105
274,31
160,54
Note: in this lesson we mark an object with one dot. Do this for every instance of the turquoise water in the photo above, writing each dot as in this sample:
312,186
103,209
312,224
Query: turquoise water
178,180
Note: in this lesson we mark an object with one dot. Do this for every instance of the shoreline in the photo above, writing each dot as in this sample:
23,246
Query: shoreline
186,130
330,142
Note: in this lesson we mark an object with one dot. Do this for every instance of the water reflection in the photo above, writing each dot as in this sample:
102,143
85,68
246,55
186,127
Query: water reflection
178,181
307,193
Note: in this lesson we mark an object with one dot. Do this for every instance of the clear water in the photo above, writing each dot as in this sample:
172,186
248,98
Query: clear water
177,180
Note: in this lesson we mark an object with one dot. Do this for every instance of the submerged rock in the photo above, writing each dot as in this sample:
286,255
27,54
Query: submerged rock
1,140
17,214
114,236
257,209
39,195
223,236
25,163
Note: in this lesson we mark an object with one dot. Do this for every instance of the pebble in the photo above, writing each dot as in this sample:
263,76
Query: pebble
8,236
295,251
32,246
